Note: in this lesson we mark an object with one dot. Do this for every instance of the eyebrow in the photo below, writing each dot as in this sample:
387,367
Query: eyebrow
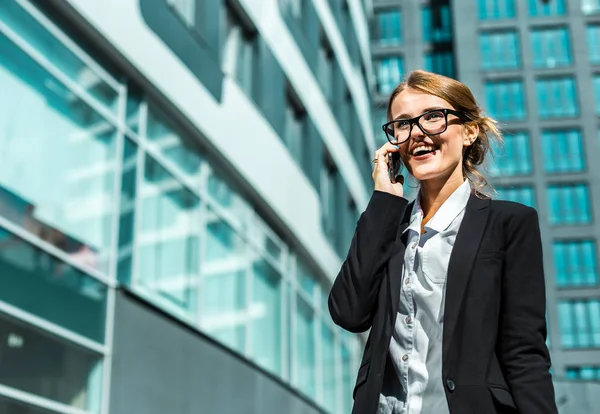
407,116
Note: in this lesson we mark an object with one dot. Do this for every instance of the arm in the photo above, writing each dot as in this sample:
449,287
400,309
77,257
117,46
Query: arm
524,357
353,296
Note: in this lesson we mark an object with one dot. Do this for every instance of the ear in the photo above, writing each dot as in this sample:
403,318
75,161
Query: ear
471,132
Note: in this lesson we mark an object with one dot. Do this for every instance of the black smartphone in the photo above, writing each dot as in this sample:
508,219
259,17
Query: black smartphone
394,166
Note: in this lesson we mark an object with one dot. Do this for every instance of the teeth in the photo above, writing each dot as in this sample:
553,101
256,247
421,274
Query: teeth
422,148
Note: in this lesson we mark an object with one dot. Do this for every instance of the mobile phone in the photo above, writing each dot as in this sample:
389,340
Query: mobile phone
394,166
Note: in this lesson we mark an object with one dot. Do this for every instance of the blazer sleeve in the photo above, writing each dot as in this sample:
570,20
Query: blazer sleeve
523,353
353,297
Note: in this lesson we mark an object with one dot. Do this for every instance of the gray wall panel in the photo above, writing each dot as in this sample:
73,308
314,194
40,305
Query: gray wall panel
161,366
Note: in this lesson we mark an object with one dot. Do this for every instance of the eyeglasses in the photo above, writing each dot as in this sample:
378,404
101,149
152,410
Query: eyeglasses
431,123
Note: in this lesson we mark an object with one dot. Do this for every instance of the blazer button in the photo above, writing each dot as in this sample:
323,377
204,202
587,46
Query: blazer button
450,384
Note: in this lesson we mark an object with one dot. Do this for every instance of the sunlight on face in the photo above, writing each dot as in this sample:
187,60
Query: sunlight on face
430,157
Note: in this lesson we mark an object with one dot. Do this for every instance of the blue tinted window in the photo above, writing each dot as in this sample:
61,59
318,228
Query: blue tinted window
546,7
550,47
496,9
506,100
593,43
590,6
579,323
389,74
388,27
441,63
596,83
437,24
586,372
568,204
557,97
520,194
499,50
563,151
575,263
513,157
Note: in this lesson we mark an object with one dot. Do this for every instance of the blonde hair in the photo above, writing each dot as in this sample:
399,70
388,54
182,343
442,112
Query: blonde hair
460,97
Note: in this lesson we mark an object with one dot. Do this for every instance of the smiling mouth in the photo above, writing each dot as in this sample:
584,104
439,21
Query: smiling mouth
423,150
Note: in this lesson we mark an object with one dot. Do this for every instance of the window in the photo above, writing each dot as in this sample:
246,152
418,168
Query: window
185,9
499,50
325,69
496,9
547,8
550,47
579,323
506,100
295,128
592,33
575,263
568,204
32,359
328,345
240,54
596,84
586,373
519,194
441,63
557,97
513,157
563,151
389,74
437,24
590,6
388,27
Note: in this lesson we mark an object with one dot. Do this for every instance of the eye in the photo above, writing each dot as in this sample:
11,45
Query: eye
402,124
433,116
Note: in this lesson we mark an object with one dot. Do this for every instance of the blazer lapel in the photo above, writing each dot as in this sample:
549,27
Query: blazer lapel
396,265
461,262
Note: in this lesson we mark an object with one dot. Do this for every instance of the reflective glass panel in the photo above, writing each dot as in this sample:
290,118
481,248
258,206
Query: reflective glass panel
388,27
389,74
16,407
512,157
590,6
547,7
506,100
175,146
305,346
519,194
563,151
593,42
57,173
43,364
575,263
55,53
557,97
38,283
328,368
568,204
551,47
496,9
168,239
225,267
499,50
266,313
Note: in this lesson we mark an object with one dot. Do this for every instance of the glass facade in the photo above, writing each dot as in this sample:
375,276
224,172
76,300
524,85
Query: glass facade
506,100
563,151
550,47
557,97
593,42
579,323
440,62
519,194
496,9
568,204
499,50
542,8
389,73
106,188
590,6
388,30
575,263
437,23
586,373
512,157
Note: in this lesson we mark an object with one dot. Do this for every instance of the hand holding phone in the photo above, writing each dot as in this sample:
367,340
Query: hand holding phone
395,167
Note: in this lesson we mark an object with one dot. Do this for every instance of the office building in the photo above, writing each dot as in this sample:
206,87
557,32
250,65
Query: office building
535,66
179,183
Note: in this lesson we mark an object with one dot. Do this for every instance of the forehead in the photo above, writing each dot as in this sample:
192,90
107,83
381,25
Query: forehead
411,103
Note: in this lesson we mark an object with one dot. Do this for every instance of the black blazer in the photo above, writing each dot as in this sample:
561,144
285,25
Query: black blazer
494,357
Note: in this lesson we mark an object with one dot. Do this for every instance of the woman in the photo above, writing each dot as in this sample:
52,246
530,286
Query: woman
452,285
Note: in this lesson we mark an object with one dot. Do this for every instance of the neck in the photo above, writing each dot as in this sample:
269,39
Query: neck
435,192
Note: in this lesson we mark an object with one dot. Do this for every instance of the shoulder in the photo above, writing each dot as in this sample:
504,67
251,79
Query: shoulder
514,215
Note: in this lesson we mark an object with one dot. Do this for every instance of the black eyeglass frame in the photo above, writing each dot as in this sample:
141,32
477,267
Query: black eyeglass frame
416,119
